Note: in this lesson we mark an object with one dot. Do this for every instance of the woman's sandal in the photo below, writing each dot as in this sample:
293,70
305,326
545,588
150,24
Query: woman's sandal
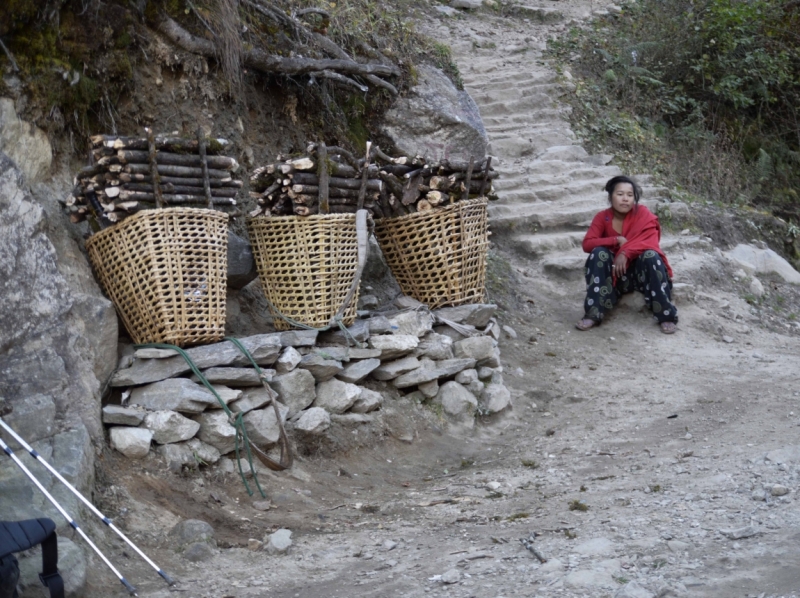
668,327
585,324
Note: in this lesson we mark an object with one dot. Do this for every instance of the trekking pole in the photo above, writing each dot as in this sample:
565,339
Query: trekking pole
94,509
69,519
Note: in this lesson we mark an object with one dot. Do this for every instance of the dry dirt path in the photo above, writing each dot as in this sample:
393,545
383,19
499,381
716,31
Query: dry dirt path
646,465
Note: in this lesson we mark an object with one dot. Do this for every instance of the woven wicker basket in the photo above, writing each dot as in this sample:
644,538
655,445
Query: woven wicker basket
306,266
439,256
166,272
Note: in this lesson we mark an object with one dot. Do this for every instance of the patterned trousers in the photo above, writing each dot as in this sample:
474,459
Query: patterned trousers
647,274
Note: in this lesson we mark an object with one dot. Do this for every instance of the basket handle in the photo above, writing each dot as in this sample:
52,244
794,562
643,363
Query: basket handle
362,237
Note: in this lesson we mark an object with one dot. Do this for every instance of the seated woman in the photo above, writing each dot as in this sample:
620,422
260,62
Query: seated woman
624,256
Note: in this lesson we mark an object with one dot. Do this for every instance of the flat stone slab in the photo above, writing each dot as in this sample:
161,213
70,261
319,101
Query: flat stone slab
124,416
169,427
321,368
264,348
358,370
442,369
252,398
233,376
174,394
474,314
392,369
393,346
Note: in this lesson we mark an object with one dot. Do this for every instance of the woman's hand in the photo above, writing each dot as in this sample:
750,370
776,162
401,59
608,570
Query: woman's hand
620,264
621,240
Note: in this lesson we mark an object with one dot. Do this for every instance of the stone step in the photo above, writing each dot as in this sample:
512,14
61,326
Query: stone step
533,217
545,91
530,129
518,146
598,174
538,245
543,115
494,73
558,193
528,106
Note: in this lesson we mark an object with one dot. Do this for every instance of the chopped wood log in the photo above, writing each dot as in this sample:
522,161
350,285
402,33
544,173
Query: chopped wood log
424,205
218,162
174,199
457,166
173,189
170,144
436,198
170,170
411,189
332,191
304,178
126,177
301,210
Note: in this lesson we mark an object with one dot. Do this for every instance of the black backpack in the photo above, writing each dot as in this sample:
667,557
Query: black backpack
16,536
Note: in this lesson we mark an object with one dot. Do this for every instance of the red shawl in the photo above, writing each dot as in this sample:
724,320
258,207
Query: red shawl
640,227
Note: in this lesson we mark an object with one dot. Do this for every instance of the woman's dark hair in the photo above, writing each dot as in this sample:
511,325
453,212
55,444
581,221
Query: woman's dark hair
612,184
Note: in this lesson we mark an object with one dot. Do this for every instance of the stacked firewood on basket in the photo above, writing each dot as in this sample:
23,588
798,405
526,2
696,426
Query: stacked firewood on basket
129,174
331,180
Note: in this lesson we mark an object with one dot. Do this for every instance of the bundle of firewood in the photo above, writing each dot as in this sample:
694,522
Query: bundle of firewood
331,180
129,174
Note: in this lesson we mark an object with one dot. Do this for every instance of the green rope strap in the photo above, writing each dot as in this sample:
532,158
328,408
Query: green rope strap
286,451
234,419
337,319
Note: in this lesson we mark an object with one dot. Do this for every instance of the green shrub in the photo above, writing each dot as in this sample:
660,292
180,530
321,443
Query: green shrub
705,93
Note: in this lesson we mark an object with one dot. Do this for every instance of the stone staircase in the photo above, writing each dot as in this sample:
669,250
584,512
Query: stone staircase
550,187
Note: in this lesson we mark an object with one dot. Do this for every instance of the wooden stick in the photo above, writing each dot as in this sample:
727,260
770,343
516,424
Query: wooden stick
174,199
324,178
201,146
173,189
411,190
364,174
469,177
304,178
486,174
151,142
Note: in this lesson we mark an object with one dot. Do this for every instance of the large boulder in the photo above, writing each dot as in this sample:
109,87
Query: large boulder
436,120
262,427
763,261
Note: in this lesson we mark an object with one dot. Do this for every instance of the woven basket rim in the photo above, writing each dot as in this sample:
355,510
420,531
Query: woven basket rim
148,214
294,217
436,210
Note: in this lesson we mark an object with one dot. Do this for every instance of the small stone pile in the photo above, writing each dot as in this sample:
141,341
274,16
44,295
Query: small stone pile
448,357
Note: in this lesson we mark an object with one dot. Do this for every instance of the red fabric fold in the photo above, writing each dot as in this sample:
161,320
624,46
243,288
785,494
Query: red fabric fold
641,228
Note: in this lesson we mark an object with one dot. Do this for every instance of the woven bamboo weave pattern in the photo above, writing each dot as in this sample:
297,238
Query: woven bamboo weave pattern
306,266
439,256
166,272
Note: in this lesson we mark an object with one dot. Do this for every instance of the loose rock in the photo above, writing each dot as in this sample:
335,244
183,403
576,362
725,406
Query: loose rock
313,421
336,396
279,542
169,426
134,443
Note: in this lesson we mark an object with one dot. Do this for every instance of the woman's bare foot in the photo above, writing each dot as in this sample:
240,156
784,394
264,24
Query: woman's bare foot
668,327
585,324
